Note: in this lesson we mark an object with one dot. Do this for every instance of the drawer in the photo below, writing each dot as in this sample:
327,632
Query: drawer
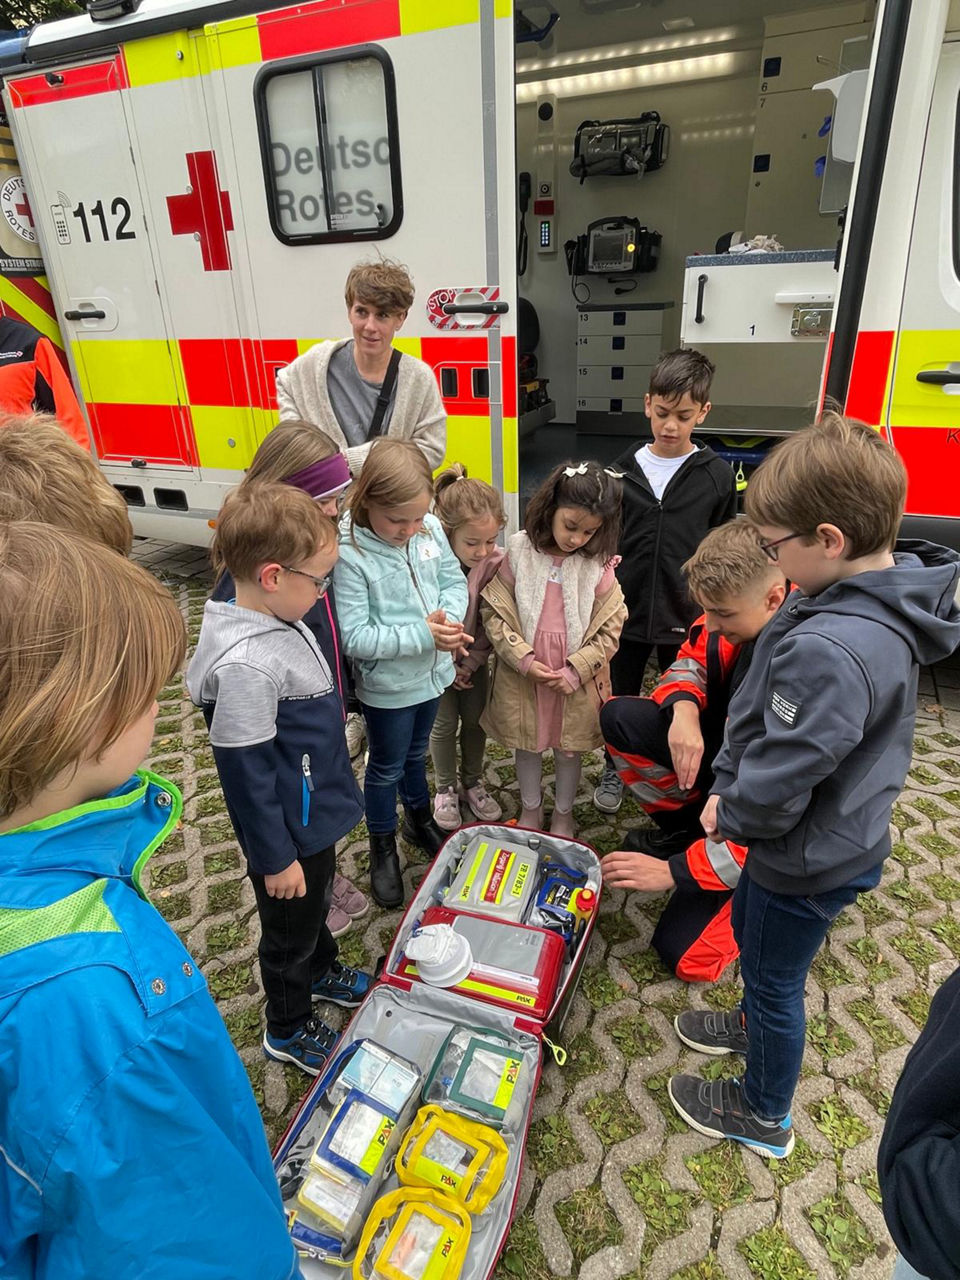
618,348
609,322
609,404
613,380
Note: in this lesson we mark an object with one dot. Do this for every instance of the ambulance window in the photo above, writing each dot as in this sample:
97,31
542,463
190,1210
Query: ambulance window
328,140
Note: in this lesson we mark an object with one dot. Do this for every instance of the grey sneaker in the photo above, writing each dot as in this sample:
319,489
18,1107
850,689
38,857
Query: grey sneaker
608,796
719,1109
713,1032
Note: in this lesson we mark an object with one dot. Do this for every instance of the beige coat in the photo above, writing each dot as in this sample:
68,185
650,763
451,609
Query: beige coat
511,712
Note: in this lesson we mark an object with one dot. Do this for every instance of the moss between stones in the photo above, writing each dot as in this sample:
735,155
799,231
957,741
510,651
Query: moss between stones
838,1123
167,873
583,1059
588,1223
771,1256
551,1145
843,1235
612,1118
878,1027
634,1037
666,1210
720,1175
828,1037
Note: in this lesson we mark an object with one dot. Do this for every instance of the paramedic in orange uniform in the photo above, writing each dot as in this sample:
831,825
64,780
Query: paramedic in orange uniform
32,379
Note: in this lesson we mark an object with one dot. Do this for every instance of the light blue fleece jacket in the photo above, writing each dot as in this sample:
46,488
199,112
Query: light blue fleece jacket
384,594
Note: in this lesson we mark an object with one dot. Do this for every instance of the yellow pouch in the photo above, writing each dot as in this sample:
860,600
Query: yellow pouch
463,1158
413,1235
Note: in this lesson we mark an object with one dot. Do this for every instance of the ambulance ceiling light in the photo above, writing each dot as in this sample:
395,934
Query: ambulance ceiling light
640,48
647,75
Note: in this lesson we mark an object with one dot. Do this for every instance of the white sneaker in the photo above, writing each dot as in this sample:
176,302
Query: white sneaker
446,809
356,734
479,800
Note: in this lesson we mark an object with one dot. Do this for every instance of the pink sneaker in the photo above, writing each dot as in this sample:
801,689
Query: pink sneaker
348,899
446,809
338,922
481,802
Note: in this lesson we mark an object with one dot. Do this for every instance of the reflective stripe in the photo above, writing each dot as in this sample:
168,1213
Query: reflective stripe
655,787
82,912
724,864
682,669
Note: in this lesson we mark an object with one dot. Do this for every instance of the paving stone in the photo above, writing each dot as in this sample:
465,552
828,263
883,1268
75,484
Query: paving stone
895,943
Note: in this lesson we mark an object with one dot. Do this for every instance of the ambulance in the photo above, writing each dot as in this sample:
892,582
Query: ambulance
184,185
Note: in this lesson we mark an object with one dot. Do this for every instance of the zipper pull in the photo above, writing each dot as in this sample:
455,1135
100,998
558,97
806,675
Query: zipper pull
558,1051
307,775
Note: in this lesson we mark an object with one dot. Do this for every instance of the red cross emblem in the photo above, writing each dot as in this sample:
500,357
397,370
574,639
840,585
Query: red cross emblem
204,211
24,209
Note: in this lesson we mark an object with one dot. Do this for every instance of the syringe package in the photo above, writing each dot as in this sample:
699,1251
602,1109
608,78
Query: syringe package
403,1160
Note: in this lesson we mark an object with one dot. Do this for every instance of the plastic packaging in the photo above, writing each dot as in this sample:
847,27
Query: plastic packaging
494,879
442,956
413,1234
477,1075
460,1157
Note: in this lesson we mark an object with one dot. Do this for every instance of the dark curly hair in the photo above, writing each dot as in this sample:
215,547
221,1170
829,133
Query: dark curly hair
588,485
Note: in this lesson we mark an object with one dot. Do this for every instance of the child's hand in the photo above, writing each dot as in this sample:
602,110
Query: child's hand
686,743
627,870
708,819
438,615
542,674
462,680
559,684
288,883
448,637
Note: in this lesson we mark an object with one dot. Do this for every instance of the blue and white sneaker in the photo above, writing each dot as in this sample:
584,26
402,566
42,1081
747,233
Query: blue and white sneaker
718,1109
309,1048
342,985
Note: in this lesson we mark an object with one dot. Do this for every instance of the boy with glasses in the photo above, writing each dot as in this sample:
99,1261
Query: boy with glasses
816,749
276,729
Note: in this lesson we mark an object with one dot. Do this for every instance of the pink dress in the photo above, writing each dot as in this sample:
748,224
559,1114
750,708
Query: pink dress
550,647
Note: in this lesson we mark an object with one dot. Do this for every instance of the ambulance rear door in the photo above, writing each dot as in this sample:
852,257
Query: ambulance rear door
76,146
383,128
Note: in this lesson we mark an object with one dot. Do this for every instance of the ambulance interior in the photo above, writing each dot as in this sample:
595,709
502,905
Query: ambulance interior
747,146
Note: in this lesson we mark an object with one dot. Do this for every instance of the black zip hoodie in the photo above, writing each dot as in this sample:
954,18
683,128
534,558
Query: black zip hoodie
820,733
658,537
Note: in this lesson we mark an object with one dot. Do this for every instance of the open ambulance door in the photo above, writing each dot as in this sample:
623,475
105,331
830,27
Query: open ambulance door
382,128
895,344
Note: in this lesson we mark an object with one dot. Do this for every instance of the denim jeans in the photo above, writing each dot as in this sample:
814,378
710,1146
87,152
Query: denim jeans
397,738
904,1271
778,935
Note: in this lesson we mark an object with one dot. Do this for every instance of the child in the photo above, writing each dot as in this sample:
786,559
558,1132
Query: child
47,476
816,749
402,598
553,614
300,454
918,1158
673,493
139,1138
664,747
276,729
472,515
362,387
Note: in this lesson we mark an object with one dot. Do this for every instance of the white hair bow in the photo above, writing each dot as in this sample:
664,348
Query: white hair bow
576,471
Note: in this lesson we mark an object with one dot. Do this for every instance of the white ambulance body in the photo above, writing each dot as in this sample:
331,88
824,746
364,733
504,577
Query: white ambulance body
201,177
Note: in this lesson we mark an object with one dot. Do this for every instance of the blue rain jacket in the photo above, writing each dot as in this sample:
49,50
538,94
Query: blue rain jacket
131,1146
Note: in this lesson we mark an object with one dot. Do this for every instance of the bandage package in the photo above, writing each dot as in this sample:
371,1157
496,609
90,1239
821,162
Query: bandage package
460,1157
413,1234
494,879
476,1075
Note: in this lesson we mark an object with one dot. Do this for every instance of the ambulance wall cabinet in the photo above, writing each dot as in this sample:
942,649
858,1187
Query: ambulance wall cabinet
758,297
617,346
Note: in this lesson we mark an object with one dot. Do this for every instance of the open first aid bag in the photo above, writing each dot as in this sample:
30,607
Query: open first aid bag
433,1086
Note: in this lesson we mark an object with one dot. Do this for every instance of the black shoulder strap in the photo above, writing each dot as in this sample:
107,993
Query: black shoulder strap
386,391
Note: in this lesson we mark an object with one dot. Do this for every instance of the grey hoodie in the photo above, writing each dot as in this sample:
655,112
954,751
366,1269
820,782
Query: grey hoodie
820,733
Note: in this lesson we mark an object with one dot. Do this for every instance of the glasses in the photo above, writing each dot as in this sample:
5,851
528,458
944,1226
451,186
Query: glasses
322,584
770,549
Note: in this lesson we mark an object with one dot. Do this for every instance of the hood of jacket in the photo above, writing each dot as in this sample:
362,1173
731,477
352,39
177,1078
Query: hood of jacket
228,631
914,598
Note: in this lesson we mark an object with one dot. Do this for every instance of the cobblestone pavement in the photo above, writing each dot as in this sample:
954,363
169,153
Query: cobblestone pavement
613,1184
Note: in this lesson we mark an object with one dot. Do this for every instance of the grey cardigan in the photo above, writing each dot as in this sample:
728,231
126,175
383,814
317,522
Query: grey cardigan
418,412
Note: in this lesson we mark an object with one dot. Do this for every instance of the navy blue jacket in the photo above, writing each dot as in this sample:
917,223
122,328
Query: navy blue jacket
276,729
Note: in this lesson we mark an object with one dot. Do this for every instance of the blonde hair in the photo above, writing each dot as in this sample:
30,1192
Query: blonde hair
459,499
729,562
395,472
47,476
290,447
87,641
267,523
838,472
383,284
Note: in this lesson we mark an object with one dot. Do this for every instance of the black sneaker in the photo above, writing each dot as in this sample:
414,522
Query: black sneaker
342,985
718,1109
711,1032
657,843
309,1048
